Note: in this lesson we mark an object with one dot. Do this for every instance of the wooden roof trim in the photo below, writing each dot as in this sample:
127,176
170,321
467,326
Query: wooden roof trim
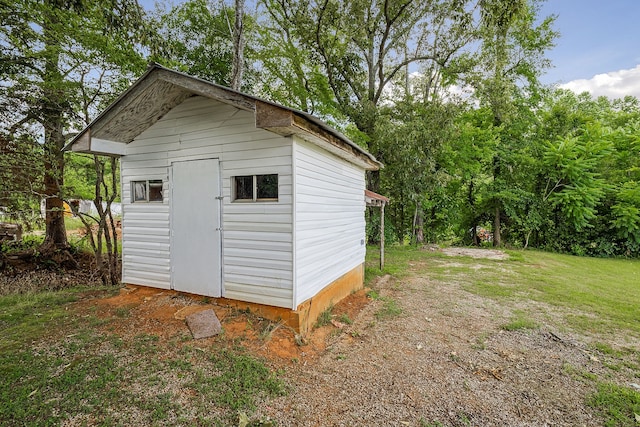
125,100
207,89
287,122
269,116
313,129
375,199
144,81
82,142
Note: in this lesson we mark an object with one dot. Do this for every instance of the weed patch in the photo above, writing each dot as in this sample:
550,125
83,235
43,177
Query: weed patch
344,318
578,374
241,380
325,317
390,308
521,321
269,329
619,405
26,317
39,389
374,295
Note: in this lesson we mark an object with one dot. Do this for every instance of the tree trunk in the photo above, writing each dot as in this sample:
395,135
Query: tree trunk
526,239
114,254
56,233
420,229
53,122
373,181
418,226
106,261
474,224
238,47
496,228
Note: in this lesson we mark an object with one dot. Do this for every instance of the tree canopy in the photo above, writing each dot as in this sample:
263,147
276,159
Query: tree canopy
445,93
61,60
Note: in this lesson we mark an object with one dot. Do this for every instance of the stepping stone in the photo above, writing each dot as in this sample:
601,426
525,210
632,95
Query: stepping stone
203,324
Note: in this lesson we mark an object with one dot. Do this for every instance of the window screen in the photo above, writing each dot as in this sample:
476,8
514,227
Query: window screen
139,191
146,191
256,187
267,186
155,191
244,187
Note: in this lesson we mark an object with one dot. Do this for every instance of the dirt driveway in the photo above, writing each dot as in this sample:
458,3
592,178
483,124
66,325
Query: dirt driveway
444,361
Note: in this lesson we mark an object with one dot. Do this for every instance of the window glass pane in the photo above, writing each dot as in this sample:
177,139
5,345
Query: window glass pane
139,190
267,186
244,187
155,191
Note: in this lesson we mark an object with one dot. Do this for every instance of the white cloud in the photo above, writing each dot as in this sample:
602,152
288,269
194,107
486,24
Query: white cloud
614,84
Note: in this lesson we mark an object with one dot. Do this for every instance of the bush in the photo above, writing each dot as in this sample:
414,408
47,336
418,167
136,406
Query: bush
28,242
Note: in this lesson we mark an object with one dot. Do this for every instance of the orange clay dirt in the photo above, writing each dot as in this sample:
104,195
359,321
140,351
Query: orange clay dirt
137,310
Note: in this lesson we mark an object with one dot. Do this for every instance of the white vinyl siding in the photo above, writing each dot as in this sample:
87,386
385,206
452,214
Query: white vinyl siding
257,237
329,215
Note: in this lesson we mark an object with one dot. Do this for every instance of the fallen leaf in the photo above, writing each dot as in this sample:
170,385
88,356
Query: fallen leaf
243,419
300,340
496,373
338,324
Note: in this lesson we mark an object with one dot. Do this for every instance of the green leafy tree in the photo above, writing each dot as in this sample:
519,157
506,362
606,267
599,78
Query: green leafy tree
465,158
21,172
52,51
415,134
574,184
623,173
510,60
361,46
287,73
589,173
200,37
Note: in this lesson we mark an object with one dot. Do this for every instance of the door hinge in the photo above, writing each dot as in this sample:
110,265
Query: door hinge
219,197
219,229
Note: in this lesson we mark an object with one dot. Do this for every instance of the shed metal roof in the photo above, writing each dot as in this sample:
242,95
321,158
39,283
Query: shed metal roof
160,89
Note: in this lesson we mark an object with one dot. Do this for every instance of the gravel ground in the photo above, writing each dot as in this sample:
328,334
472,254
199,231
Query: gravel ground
443,362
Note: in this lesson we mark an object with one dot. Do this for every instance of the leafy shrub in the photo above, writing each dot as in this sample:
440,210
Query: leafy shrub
28,242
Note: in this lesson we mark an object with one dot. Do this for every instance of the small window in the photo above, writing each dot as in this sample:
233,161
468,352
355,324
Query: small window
266,186
244,187
146,191
256,187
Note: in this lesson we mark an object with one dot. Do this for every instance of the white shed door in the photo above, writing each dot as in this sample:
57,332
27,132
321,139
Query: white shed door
195,227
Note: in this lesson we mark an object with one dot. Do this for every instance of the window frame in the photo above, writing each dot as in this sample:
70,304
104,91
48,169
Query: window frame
148,183
254,189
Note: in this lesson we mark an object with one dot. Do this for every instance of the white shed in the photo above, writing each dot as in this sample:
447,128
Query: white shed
230,196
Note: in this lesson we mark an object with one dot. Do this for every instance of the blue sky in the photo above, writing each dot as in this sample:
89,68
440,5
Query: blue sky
597,37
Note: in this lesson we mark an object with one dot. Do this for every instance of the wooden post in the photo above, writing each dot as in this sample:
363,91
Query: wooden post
382,236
